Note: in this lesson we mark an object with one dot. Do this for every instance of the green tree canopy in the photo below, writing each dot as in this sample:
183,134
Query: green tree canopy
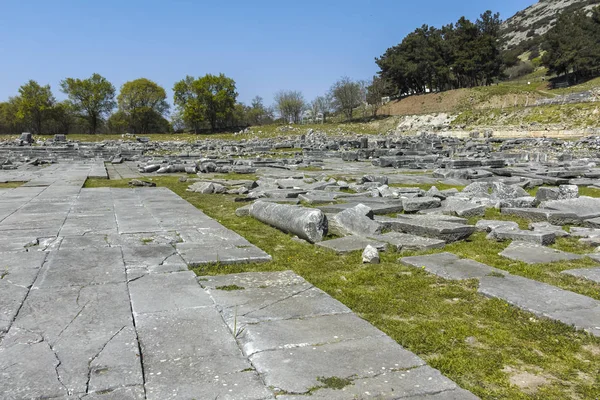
93,98
34,105
144,103
465,54
573,45
210,98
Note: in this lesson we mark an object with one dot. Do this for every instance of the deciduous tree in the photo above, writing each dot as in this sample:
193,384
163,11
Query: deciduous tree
346,95
144,103
290,104
34,105
93,98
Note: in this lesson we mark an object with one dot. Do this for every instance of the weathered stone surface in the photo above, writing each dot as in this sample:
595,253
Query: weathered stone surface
555,217
543,227
591,274
450,266
299,369
370,255
463,208
504,192
536,254
419,383
308,224
420,203
406,242
584,207
485,225
427,227
348,244
357,220
543,238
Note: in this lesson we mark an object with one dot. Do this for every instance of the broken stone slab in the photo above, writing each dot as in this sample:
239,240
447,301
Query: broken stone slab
584,232
420,203
351,243
538,214
584,207
545,300
543,238
428,227
485,225
370,255
450,266
306,223
406,242
592,223
548,227
531,253
318,198
357,220
503,191
379,207
463,208
591,274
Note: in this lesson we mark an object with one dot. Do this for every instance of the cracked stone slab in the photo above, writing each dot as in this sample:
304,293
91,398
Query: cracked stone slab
147,255
531,253
293,333
418,383
123,393
196,254
29,368
72,268
305,303
68,320
450,266
591,274
180,379
167,292
197,332
297,370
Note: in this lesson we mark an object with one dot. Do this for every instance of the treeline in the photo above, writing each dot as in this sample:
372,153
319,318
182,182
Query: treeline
460,55
92,106
572,46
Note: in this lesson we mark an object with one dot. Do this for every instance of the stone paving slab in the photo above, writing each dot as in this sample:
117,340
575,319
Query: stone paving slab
542,299
591,274
531,253
295,335
98,303
348,244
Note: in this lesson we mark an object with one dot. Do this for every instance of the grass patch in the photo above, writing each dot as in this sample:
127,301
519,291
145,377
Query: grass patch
230,288
468,337
10,185
334,382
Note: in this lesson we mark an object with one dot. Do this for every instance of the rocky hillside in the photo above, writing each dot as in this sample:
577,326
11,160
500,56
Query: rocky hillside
535,20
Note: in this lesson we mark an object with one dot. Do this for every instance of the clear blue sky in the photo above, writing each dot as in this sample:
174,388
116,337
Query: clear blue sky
263,45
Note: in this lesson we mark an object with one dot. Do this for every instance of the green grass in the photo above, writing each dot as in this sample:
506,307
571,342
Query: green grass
471,339
10,185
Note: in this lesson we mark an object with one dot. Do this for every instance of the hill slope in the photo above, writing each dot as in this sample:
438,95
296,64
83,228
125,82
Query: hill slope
536,20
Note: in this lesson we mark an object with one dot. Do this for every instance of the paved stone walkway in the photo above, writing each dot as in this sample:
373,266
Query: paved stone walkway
542,299
98,303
